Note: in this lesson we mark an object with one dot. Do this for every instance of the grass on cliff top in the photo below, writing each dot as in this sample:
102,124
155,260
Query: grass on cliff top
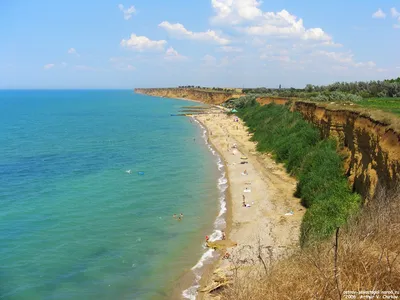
369,109
386,104
318,167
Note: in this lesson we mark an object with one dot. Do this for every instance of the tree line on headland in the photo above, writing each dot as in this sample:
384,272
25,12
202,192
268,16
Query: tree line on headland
205,88
338,91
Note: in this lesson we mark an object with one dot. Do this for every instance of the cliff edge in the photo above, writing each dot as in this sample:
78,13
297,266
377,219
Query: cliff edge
205,96
371,148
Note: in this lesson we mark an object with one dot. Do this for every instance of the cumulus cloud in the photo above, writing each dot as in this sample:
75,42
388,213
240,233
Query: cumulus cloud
245,16
179,31
394,12
235,12
345,58
127,12
48,66
172,55
285,25
142,43
379,14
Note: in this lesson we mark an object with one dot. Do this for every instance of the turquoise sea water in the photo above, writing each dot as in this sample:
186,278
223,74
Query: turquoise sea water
73,223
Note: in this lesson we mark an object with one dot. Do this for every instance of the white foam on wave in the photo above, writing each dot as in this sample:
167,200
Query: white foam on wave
191,292
219,224
204,257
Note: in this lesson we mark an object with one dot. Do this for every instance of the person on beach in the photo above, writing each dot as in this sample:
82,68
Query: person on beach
181,216
244,201
245,172
174,216
223,235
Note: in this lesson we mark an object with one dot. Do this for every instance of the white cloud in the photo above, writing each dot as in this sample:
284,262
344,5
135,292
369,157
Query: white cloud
281,58
142,43
245,16
230,49
397,26
235,12
209,60
346,58
179,31
73,51
394,12
379,14
172,55
271,53
48,66
284,25
127,12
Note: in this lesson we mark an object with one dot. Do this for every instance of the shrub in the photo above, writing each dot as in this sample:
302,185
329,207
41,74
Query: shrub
322,185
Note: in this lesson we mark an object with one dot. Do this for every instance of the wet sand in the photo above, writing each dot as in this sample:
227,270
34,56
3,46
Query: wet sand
262,229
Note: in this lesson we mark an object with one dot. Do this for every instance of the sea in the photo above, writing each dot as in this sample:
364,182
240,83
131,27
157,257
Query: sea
89,183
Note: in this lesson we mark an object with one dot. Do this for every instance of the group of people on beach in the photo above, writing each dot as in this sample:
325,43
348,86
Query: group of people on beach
179,218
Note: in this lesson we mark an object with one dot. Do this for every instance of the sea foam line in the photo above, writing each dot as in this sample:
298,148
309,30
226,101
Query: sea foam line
219,223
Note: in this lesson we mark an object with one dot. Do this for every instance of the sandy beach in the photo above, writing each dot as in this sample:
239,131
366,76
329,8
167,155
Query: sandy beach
268,227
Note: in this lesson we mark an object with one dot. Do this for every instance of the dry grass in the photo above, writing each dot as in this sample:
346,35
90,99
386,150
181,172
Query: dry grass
366,258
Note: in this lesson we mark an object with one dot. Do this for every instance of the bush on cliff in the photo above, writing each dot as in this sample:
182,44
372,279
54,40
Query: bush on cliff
322,185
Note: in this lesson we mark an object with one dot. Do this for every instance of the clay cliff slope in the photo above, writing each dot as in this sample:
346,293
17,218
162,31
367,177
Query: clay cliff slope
371,148
205,96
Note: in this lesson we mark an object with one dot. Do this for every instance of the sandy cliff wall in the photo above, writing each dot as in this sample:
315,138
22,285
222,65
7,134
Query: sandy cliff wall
208,97
371,148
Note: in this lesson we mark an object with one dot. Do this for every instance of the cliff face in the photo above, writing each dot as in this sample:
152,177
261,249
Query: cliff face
371,148
209,97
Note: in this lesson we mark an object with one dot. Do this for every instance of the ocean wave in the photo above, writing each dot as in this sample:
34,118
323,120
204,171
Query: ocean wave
219,224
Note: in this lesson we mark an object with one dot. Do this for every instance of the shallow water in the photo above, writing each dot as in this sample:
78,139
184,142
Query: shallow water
74,224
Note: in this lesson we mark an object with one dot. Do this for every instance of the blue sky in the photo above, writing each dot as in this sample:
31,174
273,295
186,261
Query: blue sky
159,43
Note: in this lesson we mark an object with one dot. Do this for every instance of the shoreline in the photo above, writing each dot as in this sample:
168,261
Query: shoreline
209,258
265,223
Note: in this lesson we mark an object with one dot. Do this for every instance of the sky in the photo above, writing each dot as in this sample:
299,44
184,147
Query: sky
226,43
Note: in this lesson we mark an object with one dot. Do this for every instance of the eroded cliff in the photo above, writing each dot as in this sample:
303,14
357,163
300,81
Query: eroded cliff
209,97
371,148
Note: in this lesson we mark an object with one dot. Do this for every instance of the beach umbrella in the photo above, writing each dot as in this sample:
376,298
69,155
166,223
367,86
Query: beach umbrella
233,110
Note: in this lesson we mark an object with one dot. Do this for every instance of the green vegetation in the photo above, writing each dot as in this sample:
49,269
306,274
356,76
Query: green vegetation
214,89
338,92
322,185
387,104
